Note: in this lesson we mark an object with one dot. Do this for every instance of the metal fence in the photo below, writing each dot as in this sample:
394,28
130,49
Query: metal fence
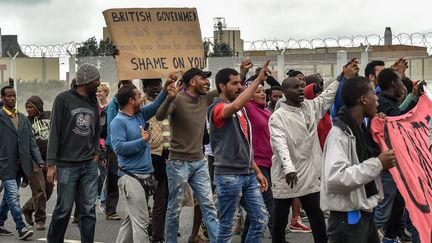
279,52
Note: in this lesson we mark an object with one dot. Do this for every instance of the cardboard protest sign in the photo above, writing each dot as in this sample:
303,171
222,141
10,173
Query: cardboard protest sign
408,135
155,41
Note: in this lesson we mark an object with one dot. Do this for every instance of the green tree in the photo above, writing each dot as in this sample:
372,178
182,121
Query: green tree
91,48
221,50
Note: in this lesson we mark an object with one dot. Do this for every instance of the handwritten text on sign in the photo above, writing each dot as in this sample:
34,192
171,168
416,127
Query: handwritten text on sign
408,136
155,41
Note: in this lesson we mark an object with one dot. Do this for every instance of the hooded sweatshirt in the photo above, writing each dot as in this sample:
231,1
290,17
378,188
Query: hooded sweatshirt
259,117
40,124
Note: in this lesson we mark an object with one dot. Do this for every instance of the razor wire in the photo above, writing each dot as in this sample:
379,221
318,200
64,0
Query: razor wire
415,39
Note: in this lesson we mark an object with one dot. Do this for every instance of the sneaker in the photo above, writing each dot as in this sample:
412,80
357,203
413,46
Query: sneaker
24,182
4,231
28,216
380,234
297,226
387,240
404,237
25,233
102,208
40,226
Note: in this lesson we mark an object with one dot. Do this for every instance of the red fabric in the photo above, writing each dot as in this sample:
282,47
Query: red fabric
218,121
309,92
324,127
408,136
325,124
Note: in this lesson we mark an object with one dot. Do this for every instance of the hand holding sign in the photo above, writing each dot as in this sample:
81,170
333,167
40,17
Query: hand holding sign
388,159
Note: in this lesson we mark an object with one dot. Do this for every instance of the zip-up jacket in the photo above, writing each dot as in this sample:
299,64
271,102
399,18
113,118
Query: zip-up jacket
343,177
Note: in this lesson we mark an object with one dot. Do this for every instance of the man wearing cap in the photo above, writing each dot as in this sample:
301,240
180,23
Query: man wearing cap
41,189
186,164
73,148
17,150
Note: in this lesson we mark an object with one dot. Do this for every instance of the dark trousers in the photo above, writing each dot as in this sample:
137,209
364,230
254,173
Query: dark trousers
395,223
311,205
41,193
339,231
112,190
268,200
160,197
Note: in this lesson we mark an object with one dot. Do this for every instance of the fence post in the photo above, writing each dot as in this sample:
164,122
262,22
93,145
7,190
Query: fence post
341,59
281,67
364,60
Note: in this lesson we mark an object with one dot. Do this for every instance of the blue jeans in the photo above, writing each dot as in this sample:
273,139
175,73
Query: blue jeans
81,179
389,212
384,208
11,202
235,190
268,200
180,173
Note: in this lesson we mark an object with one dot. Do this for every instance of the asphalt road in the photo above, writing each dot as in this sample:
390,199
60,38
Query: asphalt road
106,231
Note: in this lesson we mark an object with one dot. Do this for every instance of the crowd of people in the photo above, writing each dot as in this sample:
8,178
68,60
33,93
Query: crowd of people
299,147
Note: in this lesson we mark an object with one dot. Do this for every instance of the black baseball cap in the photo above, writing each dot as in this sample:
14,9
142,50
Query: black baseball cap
189,74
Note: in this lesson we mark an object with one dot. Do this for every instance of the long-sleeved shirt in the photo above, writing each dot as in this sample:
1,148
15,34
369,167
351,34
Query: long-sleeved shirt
132,151
75,128
187,121
259,117
295,144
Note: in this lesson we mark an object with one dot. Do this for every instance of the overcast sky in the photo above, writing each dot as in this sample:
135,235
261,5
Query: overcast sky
60,21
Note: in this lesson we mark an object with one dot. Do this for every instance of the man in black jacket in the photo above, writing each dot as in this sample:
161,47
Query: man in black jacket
17,149
41,189
73,148
389,212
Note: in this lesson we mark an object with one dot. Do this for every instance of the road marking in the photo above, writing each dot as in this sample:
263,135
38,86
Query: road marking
65,241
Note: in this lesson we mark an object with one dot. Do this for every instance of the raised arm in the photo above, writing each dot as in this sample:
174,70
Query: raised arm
167,107
231,108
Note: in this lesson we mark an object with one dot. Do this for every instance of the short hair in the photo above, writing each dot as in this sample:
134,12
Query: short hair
147,81
408,84
386,77
370,67
353,89
123,82
105,87
223,76
3,90
278,88
293,73
125,93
